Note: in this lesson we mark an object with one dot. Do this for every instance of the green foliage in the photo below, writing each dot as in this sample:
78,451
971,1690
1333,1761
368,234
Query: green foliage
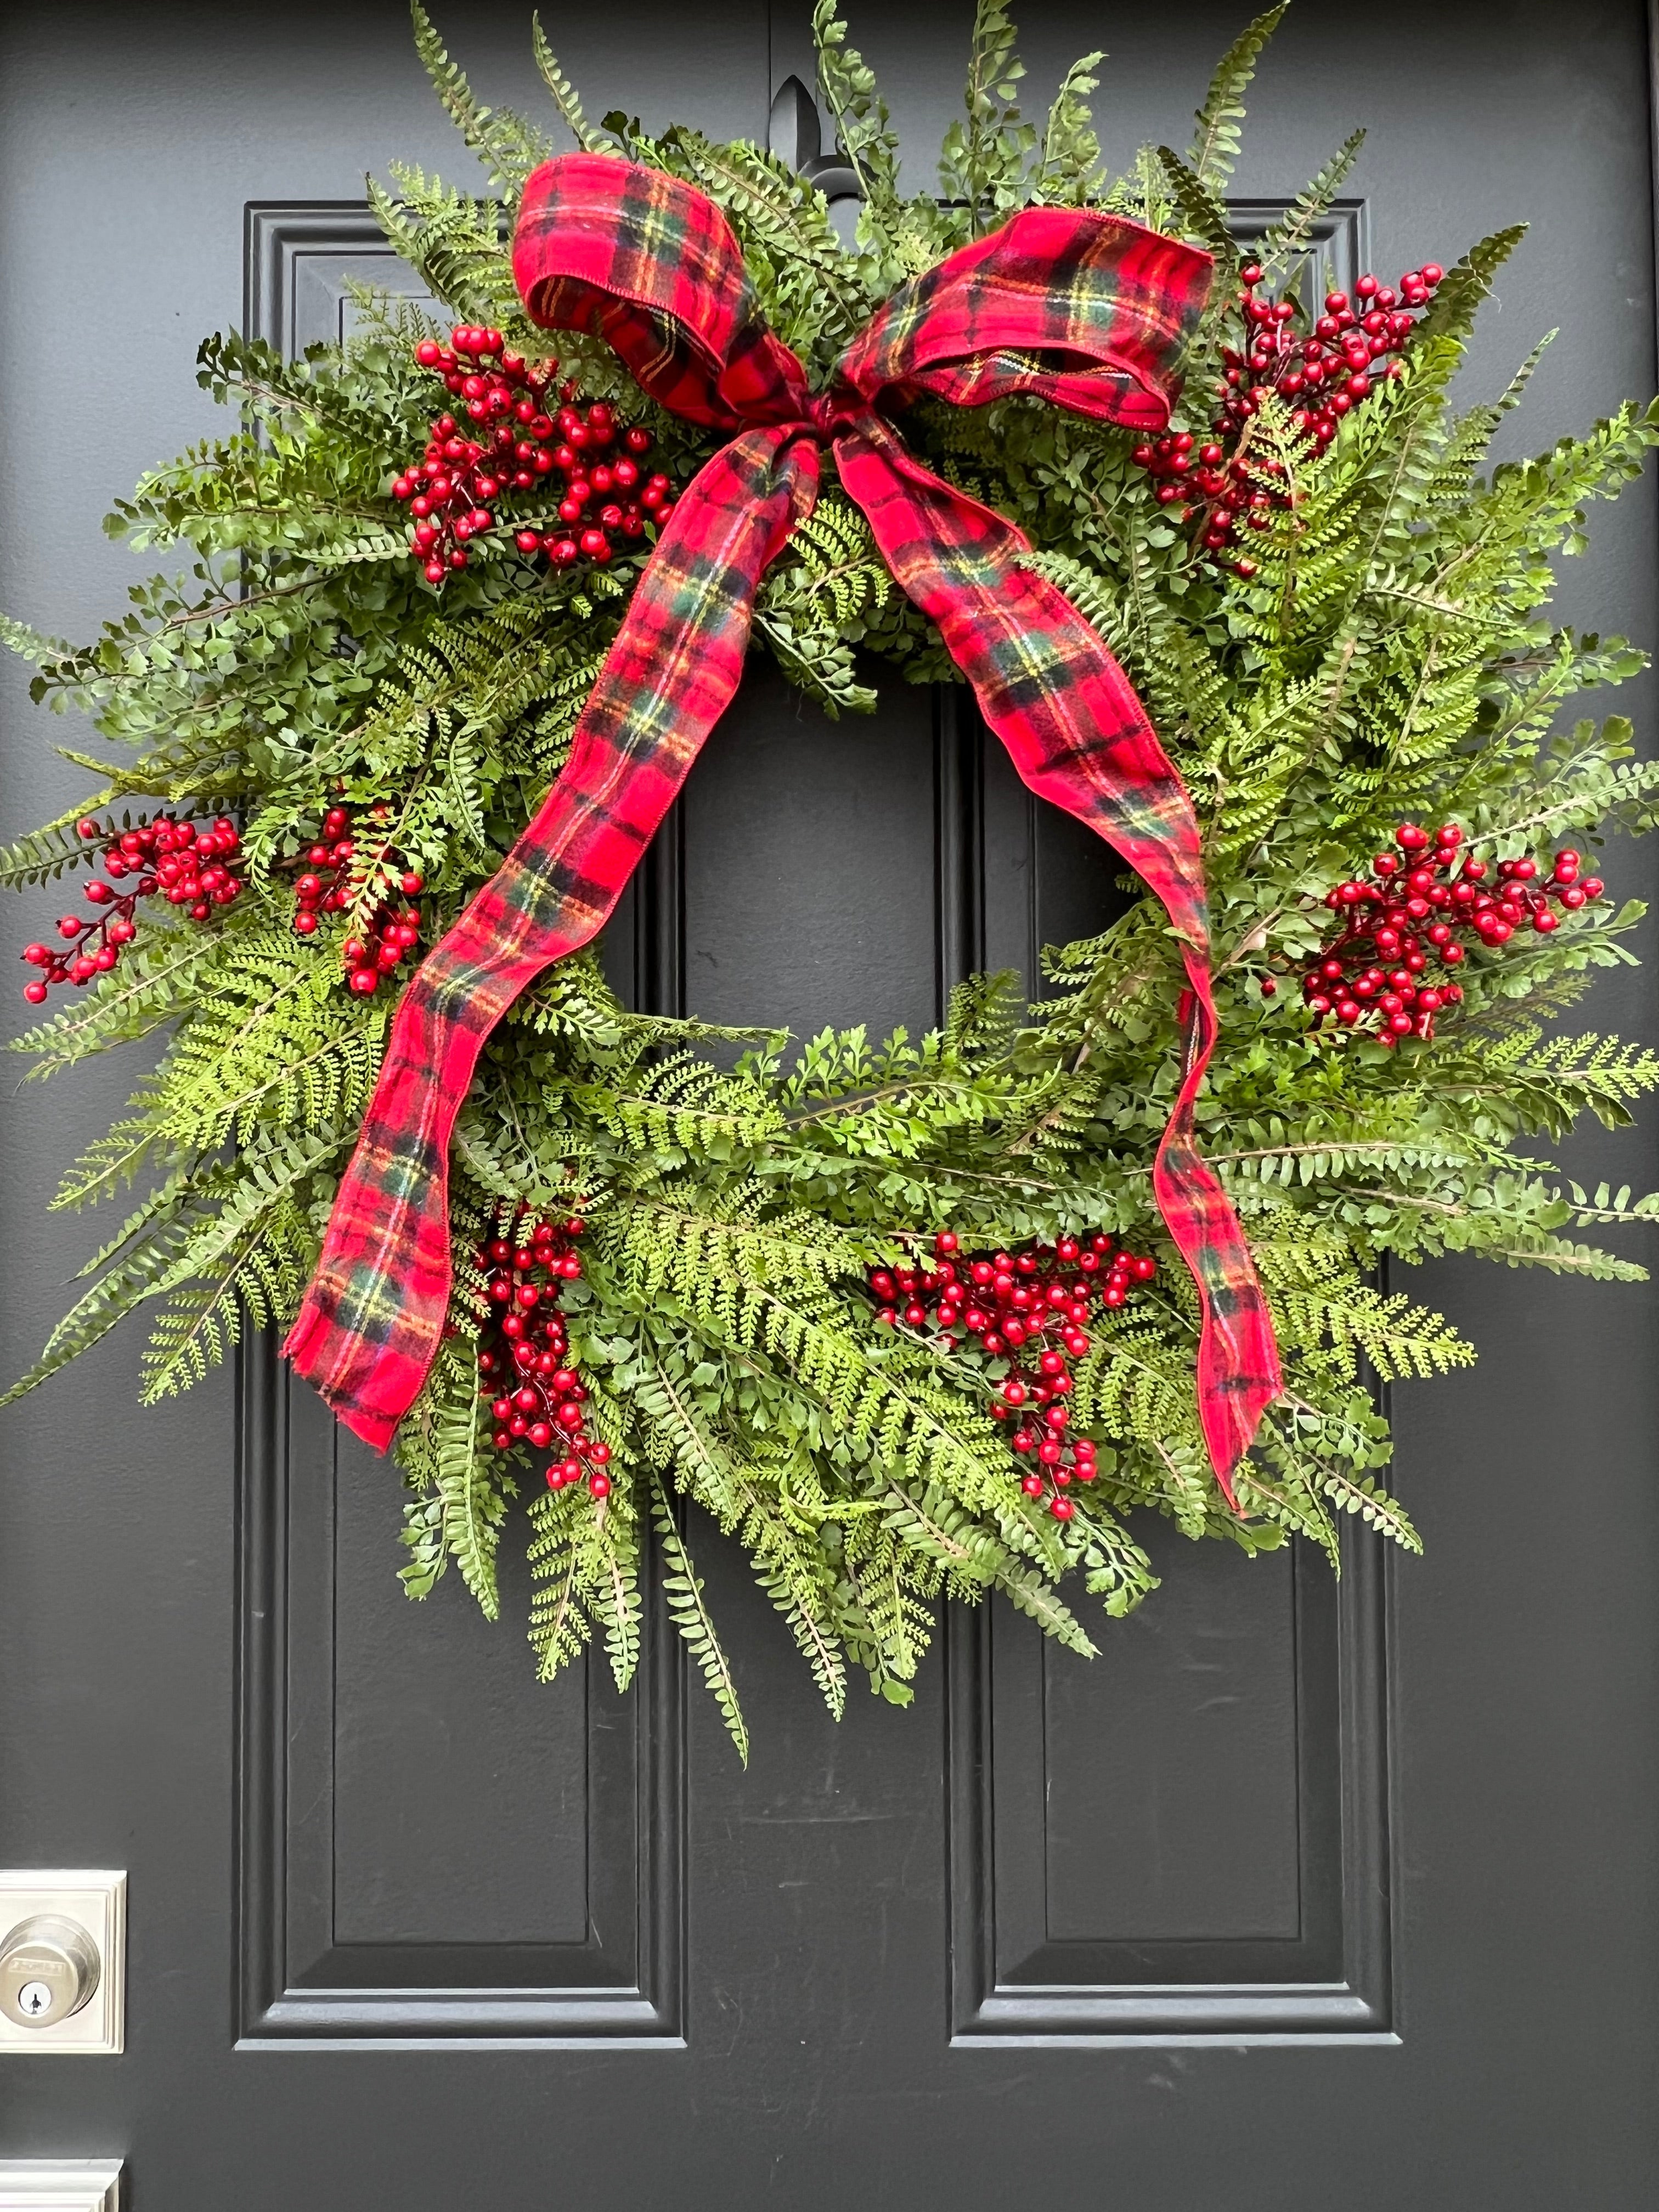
1395,654
683,1595
984,158
508,147
458,1494
1068,173
1281,249
866,139
828,596
564,94
44,854
1217,136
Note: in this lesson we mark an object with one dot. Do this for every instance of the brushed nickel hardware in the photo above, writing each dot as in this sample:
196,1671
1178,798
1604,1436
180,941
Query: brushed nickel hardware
63,1960
60,2184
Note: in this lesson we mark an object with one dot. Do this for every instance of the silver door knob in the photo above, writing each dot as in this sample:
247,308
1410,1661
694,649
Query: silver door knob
48,1969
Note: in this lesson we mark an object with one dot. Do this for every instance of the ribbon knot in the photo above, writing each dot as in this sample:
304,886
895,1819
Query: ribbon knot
1087,312
833,411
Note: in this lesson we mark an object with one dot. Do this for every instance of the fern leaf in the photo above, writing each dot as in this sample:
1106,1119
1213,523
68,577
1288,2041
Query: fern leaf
507,147
1216,143
683,1590
1068,172
564,94
1461,289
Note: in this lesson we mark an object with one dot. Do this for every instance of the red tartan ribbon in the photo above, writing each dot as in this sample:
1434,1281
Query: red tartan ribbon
1087,311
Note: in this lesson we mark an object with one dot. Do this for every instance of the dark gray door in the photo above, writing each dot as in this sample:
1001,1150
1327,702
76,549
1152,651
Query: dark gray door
1297,1897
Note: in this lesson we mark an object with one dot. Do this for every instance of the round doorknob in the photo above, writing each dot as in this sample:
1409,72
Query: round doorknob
48,1969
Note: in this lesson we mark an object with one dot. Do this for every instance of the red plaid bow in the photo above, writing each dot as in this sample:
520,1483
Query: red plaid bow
1087,311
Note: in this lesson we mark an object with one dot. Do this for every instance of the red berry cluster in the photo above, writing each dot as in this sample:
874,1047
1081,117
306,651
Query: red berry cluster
536,1395
323,886
184,861
1325,372
1027,1307
1416,904
605,493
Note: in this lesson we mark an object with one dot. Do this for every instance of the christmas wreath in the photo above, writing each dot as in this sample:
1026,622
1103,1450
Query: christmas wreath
1222,567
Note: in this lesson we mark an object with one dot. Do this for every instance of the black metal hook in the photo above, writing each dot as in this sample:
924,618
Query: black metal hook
795,134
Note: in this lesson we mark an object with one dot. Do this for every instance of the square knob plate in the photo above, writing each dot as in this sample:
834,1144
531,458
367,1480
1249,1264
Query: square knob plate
94,1901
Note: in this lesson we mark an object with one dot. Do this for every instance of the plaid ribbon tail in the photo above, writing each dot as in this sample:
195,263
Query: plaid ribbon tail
1079,737
1238,1373
374,1312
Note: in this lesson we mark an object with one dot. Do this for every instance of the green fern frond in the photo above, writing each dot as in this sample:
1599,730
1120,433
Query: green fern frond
1281,248
683,1593
564,94
1068,172
506,145
1217,139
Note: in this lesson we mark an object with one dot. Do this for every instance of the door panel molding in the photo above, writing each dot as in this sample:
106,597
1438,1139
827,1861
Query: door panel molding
1331,1982
297,1984
1009,1982
296,256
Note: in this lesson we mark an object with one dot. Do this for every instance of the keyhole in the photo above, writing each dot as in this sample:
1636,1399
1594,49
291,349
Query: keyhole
35,1998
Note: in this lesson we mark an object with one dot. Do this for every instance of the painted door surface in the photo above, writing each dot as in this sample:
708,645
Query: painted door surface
1299,1896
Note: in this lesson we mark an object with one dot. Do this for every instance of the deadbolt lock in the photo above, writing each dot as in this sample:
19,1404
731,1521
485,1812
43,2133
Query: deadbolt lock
63,1962
49,1968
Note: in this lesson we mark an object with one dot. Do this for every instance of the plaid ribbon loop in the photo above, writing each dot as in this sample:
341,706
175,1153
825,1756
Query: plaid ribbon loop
1087,312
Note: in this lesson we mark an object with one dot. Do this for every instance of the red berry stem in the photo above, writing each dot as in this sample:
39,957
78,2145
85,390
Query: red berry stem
1427,900
1324,373
183,861
323,886
604,494
1028,1308
525,1369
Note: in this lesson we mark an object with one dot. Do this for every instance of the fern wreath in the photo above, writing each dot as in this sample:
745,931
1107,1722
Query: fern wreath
905,1318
